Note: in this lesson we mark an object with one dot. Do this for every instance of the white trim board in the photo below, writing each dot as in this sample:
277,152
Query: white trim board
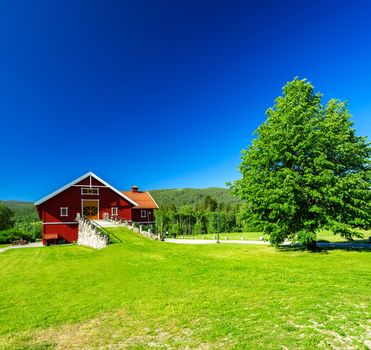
42,200
88,186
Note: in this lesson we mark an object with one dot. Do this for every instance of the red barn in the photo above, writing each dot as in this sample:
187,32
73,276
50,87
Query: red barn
89,196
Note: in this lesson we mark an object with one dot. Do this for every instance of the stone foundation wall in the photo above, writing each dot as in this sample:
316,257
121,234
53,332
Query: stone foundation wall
90,236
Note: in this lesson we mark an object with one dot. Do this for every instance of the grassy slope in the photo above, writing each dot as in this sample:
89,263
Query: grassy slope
144,293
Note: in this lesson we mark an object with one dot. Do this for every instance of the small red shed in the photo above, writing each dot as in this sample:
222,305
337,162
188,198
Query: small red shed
90,196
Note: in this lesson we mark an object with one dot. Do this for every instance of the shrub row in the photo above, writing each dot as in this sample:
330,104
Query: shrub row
16,233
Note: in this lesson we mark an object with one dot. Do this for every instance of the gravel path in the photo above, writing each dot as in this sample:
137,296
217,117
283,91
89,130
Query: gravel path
29,245
211,241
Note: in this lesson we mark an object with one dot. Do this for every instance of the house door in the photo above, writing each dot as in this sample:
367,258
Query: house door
90,209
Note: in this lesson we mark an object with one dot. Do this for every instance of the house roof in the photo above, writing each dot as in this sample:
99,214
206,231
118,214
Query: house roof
42,200
144,199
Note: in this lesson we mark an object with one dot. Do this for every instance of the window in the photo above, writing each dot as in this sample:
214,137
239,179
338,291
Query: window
114,211
64,211
143,214
89,190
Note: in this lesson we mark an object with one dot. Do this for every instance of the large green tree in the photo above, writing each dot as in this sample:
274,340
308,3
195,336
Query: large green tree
306,170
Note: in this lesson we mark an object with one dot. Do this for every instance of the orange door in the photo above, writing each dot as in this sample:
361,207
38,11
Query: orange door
90,209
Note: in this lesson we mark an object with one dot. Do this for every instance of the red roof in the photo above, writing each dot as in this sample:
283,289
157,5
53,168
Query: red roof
143,199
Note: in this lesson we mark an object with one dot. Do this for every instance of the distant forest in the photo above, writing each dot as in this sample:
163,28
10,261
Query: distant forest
193,196
197,211
23,211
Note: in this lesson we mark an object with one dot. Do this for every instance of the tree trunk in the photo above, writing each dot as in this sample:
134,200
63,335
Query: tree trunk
311,245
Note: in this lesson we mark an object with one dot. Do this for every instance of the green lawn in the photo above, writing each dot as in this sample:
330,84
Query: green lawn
324,236
145,294
4,245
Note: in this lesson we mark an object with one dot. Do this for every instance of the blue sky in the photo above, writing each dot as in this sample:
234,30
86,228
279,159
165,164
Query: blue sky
162,94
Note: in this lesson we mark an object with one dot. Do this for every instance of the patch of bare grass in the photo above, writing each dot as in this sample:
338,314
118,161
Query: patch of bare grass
112,331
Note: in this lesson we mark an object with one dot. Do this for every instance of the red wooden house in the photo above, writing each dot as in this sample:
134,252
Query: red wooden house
143,211
90,196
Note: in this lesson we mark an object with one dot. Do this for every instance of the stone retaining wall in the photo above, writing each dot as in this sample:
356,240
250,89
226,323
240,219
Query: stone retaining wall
90,236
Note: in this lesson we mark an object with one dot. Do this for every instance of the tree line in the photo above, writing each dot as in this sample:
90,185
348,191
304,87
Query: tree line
203,217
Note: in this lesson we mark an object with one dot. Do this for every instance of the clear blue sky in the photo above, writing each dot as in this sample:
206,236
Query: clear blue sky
162,94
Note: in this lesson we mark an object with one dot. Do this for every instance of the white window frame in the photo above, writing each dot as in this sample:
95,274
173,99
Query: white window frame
141,214
63,211
90,188
114,211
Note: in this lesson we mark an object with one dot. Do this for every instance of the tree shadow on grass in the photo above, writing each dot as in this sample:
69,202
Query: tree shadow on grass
301,248
345,246
355,241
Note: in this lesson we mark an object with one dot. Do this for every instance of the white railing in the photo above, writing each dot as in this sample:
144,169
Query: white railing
134,227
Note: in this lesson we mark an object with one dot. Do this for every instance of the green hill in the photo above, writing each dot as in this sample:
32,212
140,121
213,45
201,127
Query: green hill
24,211
193,196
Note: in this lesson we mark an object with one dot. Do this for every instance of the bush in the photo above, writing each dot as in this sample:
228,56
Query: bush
147,227
29,229
36,230
14,234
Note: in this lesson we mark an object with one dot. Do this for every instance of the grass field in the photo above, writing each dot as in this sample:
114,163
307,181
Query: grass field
324,236
144,294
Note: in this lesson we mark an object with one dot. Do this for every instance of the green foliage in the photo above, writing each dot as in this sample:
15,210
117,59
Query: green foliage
201,217
200,226
175,227
25,222
28,231
13,234
6,217
306,170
